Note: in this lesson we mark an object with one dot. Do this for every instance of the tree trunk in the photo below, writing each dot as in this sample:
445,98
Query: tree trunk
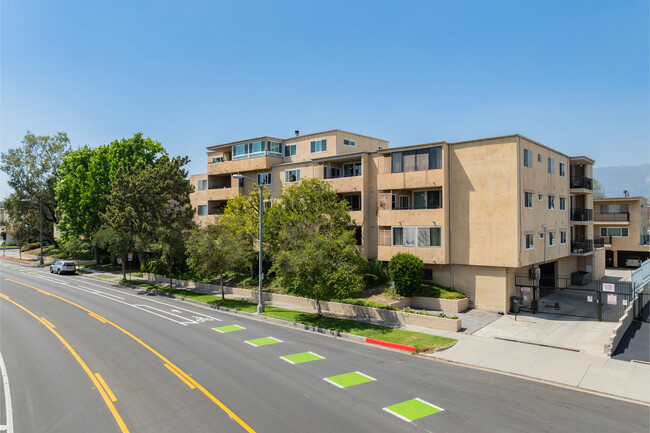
96,253
318,311
124,266
221,278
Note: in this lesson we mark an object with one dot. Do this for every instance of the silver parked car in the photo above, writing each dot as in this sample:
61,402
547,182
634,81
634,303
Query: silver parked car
63,266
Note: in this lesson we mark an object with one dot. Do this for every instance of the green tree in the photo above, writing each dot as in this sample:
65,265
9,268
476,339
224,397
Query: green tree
215,249
312,239
598,189
75,247
117,243
32,170
406,270
86,178
146,200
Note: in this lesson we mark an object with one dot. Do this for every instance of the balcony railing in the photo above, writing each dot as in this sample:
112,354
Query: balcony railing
329,176
605,240
578,214
599,243
580,247
215,186
417,207
623,216
582,182
645,239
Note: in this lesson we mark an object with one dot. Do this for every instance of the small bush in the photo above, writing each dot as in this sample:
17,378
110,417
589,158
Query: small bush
433,291
376,273
154,266
424,313
406,271
364,303
31,246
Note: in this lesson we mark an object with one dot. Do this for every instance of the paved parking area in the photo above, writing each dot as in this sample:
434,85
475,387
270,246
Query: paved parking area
635,345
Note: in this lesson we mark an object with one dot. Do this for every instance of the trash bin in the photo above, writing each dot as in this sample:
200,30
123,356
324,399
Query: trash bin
515,304
579,278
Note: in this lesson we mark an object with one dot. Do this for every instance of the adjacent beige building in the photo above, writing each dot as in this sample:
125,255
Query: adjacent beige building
476,212
621,225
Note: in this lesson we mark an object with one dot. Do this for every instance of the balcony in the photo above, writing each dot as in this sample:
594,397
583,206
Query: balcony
582,247
645,239
411,179
243,165
622,216
582,182
582,215
223,193
346,183
599,243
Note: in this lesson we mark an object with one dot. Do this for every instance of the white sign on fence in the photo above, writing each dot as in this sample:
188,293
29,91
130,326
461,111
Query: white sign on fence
525,292
611,299
609,287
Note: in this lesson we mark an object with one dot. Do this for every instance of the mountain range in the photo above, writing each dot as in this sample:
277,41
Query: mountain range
615,180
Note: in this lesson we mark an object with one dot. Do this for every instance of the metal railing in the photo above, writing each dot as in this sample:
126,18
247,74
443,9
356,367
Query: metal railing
645,239
417,207
622,216
329,176
599,243
580,247
582,182
578,214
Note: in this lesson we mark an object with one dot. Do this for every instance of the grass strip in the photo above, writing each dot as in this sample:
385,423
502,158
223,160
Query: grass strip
421,342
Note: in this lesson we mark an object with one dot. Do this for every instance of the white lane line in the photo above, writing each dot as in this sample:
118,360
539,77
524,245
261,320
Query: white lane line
141,306
429,404
5,384
398,415
333,383
365,375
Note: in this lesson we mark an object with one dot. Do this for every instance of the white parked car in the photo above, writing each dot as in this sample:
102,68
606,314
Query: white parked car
62,267
633,261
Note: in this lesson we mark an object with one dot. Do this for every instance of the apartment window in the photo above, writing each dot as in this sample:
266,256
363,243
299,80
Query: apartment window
541,235
551,166
267,204
551,202
562,203
614,231
539,157
217,159
614,208
404,202
551,239
416,160
292,176
352,169
350,143
528,200
354,201
540,197
563,237
427,199
241,182
421,237
528,158
358,235
264,179
274,148
562,168
289,150
203,209
529,241
319,146
334,172
203,185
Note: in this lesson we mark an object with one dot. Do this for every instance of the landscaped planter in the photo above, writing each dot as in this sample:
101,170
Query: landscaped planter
337,308
452,306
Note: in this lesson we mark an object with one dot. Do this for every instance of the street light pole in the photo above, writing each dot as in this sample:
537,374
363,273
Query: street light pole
40,217
260,304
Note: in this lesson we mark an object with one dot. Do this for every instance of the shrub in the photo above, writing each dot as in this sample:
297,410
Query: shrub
31,246
376,273
364,303
406,271
154,266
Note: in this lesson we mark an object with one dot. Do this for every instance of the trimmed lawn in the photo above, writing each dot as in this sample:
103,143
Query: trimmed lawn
421,342
106,277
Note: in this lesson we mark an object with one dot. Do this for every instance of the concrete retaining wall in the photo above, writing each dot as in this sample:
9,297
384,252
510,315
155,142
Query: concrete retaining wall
439,304
336,308
623,324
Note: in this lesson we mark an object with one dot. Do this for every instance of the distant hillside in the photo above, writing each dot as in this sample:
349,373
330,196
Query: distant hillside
614,180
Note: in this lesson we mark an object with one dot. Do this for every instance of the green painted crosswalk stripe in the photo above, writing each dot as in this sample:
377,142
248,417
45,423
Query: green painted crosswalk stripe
411,410
263,341
299,358
349,379
228,328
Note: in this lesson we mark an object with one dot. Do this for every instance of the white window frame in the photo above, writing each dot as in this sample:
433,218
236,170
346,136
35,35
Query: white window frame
268,175
551,239
292,150
528,204
348,142
205,210
540,197
562,235
204,183
407,199
541,235
416,229
551,202
563,204
287,174
551,166
605,230
562,169
216,159
315,145
528,158
532,241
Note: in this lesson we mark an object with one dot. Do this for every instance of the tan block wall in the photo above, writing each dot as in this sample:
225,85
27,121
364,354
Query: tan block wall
485,202
199,198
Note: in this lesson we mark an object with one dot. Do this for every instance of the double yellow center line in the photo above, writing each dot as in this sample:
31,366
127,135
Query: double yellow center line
178,372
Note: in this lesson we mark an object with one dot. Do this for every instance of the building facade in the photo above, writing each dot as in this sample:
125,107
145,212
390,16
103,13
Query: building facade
476,212
622,225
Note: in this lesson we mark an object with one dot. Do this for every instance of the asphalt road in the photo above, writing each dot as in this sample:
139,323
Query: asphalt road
166,369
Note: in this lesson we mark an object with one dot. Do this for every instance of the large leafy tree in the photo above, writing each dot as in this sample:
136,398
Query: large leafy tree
86,178
215,249
314,251
32,170
148,202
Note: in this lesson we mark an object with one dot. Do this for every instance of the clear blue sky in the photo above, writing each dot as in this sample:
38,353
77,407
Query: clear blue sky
573,75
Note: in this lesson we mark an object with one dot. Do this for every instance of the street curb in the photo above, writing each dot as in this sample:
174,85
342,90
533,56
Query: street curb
301,326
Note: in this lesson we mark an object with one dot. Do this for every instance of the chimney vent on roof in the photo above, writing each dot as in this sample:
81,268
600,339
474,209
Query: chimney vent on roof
297,132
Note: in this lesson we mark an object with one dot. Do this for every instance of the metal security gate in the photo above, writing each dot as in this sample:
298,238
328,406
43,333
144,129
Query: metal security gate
615,297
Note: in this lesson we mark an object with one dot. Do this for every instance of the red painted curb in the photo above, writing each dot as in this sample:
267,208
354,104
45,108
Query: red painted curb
17,260
391,345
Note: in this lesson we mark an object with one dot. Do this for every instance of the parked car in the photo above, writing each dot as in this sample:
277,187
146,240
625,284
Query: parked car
633,261
62,267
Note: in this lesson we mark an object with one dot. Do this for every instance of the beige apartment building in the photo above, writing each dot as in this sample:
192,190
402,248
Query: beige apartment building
621,224
476,212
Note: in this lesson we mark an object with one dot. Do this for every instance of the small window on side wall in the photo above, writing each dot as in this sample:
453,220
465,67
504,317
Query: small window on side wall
350,143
